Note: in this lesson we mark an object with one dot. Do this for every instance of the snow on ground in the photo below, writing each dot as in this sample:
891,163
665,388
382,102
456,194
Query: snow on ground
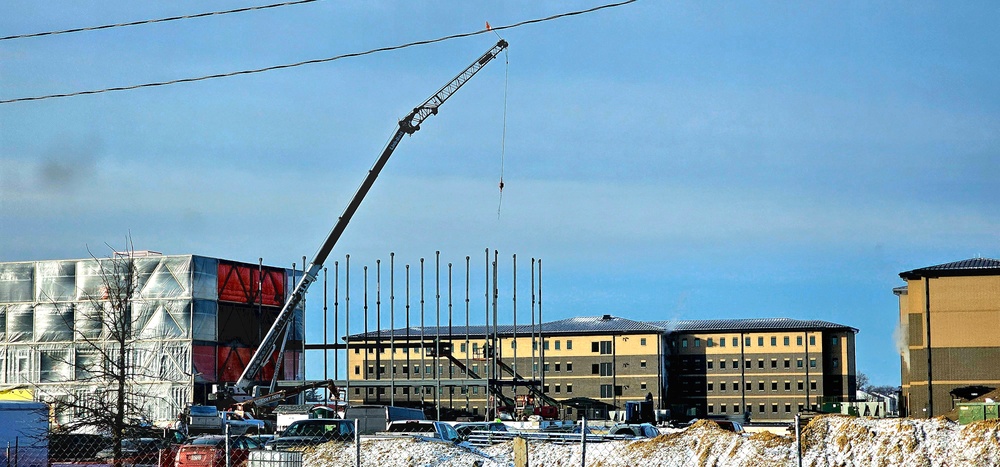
831,440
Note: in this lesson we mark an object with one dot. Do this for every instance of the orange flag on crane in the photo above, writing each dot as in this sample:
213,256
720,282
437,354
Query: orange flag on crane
488,27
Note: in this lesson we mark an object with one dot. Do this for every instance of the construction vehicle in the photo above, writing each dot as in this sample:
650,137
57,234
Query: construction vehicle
262,407
241,389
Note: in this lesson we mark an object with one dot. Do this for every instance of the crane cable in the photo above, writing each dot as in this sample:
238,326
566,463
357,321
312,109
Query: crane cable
503,137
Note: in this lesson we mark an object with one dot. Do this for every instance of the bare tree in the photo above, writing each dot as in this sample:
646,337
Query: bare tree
107,395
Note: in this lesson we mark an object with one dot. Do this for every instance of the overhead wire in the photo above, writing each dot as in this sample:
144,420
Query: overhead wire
317,60
151,21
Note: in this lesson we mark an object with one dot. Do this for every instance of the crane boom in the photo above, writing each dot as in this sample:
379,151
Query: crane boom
408,125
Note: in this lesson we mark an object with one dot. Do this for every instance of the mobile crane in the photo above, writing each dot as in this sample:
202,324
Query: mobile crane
241,389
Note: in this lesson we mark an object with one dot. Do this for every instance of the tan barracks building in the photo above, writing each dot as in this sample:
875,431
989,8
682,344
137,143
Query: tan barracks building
948,314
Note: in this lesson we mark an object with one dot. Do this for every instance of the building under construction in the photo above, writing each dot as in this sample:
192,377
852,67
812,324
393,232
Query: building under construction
193,321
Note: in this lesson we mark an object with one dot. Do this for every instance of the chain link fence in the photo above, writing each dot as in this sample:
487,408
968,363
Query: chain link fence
334,442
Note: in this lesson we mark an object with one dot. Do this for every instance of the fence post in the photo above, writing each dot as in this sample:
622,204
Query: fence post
357,444
798,438
583,442
520,452
226,425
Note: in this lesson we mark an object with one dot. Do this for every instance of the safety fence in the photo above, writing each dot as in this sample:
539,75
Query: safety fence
334,442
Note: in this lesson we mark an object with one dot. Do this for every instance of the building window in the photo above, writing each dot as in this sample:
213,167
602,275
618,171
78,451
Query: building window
788,363
798,363
710,342
642,364
836,362
557,345
595,368
746,342
569,346
722,386
642,341
569,388
557,366
747,363
569,368
461,347
760,408
357,370
760,363
642,385
747,386
786,341
722,408
798,340
760,385
812,340
833,340
545,389
545,366
736,364
774,408
774,385
722,364
736,342
697,342
684,343
711,387
545,344
605,348
812,363
475,389
606,369
557,389
800,386
760,341
513,344
711,408
812,385
722,342
774,341
788,385
711,364
774,363
371,369
607,391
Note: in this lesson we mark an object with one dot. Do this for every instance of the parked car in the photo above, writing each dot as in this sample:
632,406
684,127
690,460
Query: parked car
638,430
465,429
730,425
311,432
135,451
428,429
210,451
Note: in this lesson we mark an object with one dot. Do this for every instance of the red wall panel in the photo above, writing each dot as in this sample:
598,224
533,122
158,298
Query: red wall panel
238,282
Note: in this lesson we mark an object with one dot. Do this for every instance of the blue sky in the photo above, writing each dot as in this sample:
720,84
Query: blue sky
688,160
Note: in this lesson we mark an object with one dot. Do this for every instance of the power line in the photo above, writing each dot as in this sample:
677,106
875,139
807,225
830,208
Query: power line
150,21
318,60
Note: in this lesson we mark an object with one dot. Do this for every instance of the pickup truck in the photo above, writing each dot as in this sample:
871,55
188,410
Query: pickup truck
425,429
205,419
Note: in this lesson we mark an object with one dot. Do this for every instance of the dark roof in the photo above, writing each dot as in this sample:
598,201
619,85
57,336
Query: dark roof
612,324
754,324
580,325
967,267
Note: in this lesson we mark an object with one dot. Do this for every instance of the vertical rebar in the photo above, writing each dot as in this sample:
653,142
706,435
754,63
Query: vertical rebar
468,350
514,311
541,329
336,322
437,331
451,344
534,342
378,328
326,399
423,367
347,325
392,328
367,343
